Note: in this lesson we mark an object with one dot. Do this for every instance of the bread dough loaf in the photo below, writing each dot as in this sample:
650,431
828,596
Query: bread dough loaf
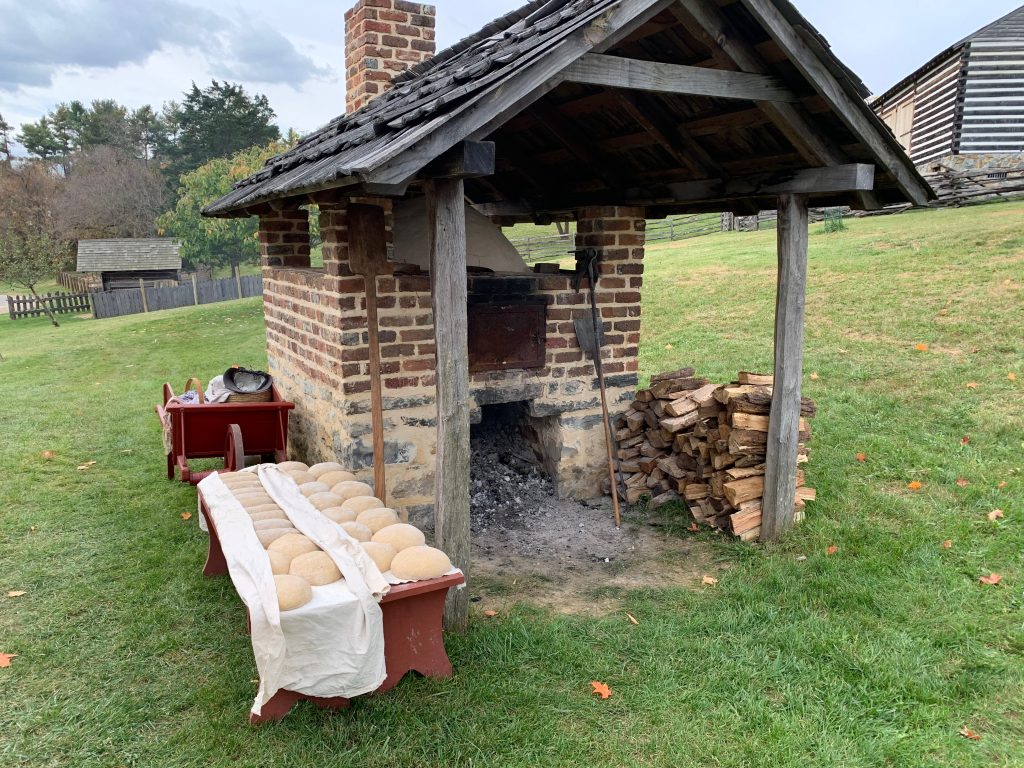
236,481
324,501
269,538
279,562
271,507
415,563
315,567
357,531
325,466
362,503
268,514
336,476
400,536
292,591
377,518
349,489
339,515
382,554
289,466
271,523
308,489
293,545
301,477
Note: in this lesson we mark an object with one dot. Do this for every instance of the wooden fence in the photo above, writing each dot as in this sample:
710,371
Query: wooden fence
134,301
19,307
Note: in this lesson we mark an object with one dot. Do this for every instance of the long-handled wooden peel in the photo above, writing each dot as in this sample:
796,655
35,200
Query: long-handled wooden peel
368,256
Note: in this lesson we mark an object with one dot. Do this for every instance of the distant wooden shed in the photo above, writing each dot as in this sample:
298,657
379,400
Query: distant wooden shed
968,100
122,263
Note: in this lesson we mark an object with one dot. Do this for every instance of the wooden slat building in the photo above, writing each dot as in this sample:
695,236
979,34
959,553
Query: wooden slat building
122,262
606,112
968,100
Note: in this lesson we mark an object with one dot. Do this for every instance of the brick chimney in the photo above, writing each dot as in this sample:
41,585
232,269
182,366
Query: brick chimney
382,39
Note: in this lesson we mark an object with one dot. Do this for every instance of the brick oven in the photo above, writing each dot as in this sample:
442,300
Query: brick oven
522,342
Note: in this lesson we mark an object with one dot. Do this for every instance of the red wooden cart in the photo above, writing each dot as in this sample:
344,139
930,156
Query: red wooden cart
229,430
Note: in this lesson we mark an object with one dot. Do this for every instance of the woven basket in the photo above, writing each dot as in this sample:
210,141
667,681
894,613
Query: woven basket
253,397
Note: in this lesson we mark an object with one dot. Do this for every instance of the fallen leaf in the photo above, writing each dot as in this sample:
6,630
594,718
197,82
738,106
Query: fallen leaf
17,593
842,351
992,579
972,385
921,347
815,376
601,689
632,619
709,581
693,527
831,550
1003,484
947,544
33,529
5,659
490,614
48,455
965,440
86,465
967,733
963,482
801,558
915,485
186,515
1011,376
669,346
861,457
995,514
943,312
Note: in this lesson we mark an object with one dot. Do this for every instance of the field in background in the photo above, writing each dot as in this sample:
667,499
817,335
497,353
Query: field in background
878,654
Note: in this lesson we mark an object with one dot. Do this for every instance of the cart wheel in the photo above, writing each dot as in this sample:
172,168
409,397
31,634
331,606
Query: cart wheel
234,451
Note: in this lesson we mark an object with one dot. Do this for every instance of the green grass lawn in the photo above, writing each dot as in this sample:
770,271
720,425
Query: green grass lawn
875,656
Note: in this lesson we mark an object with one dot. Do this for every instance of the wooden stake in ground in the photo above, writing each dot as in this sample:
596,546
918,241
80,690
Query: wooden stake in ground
368,256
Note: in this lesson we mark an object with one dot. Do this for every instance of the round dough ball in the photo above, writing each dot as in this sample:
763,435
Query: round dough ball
268,514
323,467
400,536
294,544
292,591
377,518
336,476
269,538
271,507
382,554
308,489
362,503
279,563
272,523
415,563
301,477
315,567
324,501
349,489
339,515
290,466
357,531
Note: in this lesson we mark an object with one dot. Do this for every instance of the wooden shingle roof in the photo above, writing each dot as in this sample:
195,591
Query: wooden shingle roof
561,143
128,255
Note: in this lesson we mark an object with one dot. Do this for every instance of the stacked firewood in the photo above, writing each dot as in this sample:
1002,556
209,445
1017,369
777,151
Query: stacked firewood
684,438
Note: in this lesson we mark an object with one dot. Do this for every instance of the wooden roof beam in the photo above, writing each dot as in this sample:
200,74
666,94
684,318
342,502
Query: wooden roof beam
602,167
634,74
833,180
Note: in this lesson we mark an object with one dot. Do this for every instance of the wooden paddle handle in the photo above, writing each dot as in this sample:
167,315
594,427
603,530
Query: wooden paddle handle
376,399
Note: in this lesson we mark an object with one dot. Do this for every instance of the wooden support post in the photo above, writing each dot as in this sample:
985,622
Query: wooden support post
142,290
784,422
238,278
446,212
195,290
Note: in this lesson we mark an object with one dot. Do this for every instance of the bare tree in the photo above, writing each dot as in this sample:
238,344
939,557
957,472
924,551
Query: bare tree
110,193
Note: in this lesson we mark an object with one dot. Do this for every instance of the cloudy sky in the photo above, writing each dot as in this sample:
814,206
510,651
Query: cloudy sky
149,51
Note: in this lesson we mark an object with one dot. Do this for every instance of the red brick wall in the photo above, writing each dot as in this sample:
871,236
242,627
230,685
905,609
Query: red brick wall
382,39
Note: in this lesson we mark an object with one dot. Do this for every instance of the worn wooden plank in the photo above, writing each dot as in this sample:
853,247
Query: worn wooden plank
447,215
633,74
784,424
